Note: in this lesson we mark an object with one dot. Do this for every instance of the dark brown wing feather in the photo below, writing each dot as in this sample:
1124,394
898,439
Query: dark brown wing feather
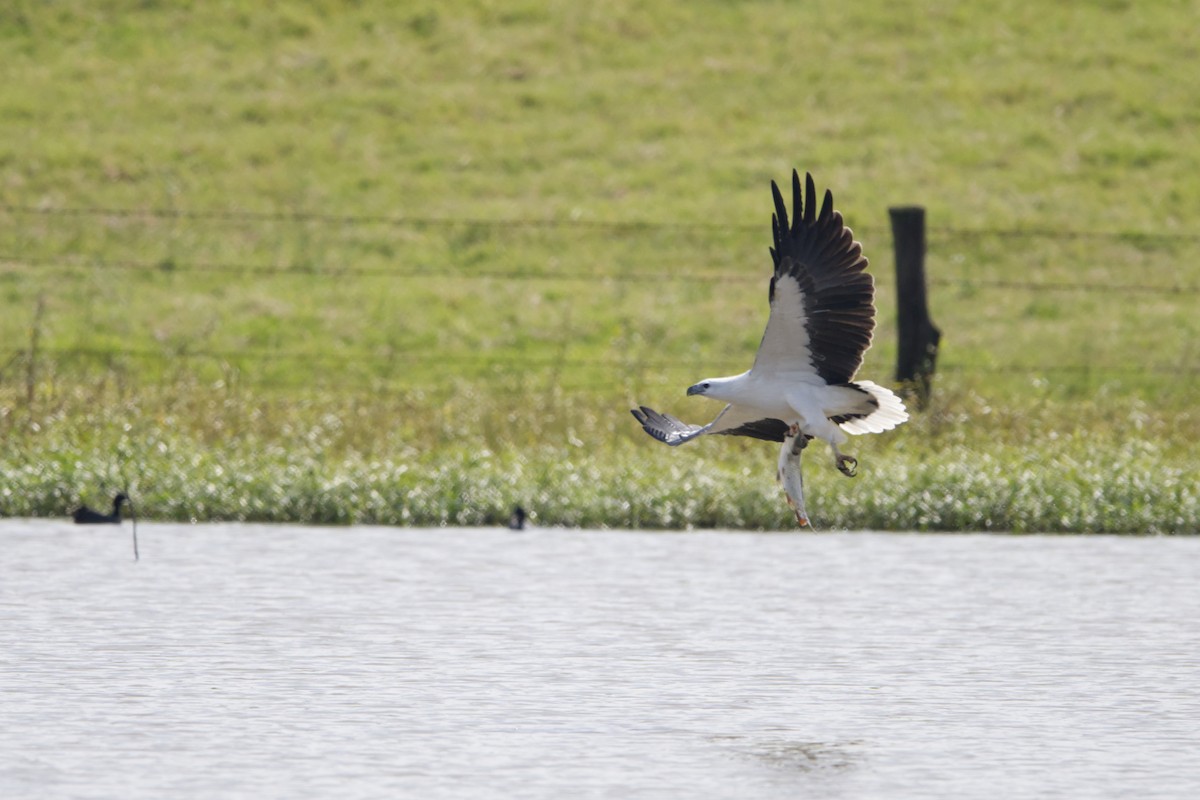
768,429
818,251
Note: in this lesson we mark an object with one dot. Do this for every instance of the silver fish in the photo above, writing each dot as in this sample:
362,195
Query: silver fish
789,473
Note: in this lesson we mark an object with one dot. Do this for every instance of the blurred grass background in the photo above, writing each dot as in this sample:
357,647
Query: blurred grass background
356,261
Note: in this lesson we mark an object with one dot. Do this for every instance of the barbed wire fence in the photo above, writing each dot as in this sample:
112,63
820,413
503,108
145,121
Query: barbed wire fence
66,265
243,217
21,358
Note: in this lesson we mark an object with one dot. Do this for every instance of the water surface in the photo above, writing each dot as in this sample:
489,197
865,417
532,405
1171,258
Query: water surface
269,661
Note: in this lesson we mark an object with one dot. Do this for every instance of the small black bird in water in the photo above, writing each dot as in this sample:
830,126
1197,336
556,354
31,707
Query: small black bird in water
517,521
86,516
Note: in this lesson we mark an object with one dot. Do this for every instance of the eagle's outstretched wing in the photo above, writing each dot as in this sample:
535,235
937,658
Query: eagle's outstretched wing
822,298
732,421
666,428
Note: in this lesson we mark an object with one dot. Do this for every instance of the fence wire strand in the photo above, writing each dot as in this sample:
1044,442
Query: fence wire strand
508,361
327,271
79,261
402,220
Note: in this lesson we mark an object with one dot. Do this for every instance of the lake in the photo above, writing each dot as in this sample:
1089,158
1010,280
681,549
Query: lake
252,661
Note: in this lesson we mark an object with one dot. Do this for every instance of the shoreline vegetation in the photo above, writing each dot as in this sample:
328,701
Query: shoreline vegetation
279,463
413,264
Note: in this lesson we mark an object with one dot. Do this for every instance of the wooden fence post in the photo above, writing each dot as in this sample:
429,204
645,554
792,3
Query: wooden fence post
918,337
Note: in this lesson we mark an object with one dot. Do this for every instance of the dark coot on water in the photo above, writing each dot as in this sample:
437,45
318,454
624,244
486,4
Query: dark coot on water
517,521
86,516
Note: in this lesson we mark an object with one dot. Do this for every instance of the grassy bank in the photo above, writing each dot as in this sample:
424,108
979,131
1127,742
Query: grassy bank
312,262
317,461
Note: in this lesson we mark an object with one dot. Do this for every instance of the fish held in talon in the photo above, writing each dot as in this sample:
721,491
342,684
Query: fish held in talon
790,477
802,382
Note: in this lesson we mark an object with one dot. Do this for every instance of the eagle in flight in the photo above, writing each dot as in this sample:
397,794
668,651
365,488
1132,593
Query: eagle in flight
802,385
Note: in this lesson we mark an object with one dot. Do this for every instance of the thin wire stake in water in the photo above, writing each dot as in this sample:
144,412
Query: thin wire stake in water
133,516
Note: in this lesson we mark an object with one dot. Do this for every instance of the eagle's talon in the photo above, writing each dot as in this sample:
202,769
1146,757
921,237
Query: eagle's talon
847,465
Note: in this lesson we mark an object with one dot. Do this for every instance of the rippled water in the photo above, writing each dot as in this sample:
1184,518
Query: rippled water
264,661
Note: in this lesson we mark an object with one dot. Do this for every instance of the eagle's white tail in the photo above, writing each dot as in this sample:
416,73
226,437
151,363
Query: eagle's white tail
888,415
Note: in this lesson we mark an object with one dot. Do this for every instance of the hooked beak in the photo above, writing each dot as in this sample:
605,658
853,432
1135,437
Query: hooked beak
697,389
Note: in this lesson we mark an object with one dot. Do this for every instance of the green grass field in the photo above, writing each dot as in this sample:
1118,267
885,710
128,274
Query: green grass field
412,263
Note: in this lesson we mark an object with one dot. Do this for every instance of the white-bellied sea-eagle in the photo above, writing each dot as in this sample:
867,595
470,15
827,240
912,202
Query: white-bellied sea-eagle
802,385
